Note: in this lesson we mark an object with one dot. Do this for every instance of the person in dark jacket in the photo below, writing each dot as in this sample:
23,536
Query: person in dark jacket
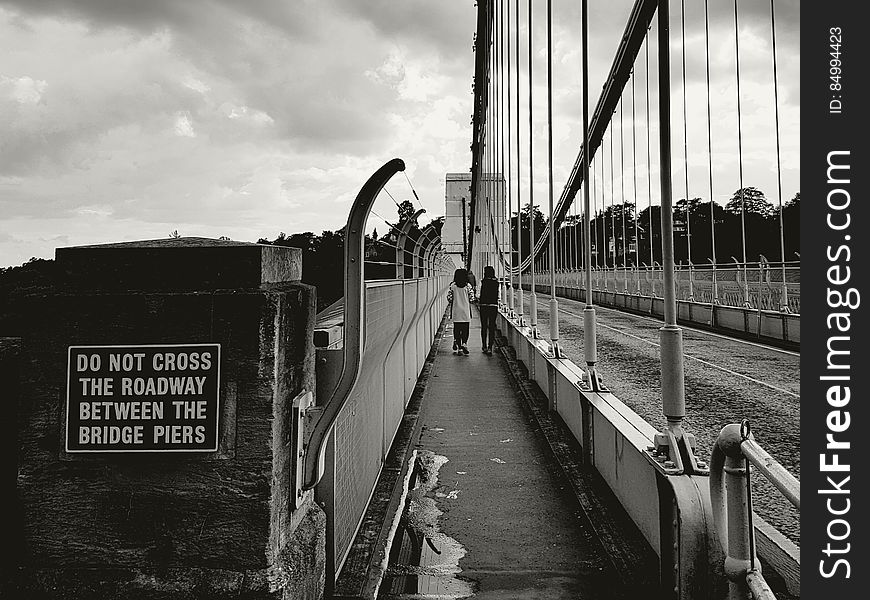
488,303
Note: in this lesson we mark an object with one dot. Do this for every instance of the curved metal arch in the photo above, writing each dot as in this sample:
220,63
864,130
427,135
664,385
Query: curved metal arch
354,319
402,240
432,256
424,243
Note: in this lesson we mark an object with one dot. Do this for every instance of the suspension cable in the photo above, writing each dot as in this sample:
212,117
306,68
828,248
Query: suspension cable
715,293
503,178
534,304
612,205
599,256
509,175
686,149
520,307
649,161
634,181
622,192
391,197
413,191
554,306
784,297
593,233
740,157
487,221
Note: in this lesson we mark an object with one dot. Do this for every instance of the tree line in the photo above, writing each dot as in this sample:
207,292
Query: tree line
323,254
748,211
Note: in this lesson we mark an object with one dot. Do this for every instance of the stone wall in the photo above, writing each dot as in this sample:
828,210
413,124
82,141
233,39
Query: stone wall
170,525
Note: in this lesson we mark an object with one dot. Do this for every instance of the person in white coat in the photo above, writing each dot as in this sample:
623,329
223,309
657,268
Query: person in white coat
459,298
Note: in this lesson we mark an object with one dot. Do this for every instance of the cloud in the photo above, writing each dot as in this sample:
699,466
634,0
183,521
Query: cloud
219,117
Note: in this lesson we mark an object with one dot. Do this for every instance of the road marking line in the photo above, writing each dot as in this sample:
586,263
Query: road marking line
700,360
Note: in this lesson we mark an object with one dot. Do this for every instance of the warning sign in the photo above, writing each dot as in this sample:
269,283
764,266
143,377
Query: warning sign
143,398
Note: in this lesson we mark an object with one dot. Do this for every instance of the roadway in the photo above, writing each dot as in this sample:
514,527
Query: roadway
726,380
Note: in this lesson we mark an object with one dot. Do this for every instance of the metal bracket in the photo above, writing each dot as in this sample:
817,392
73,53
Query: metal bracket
591,381
302,406
668,455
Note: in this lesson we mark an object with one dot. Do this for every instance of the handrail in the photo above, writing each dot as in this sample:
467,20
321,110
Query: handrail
354,320
734,449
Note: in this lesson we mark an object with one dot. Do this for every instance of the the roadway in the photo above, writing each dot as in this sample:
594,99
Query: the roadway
726,380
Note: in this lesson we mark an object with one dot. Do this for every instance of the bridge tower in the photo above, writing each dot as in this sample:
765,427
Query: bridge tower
488,242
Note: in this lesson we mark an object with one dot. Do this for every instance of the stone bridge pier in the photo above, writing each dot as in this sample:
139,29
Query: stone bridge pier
153,419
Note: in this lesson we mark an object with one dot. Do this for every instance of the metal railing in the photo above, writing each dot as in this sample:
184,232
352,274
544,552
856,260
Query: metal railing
373,346
731,498
755,285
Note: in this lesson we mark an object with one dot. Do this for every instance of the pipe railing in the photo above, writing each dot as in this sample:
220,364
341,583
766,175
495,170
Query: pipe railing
721,284
730,496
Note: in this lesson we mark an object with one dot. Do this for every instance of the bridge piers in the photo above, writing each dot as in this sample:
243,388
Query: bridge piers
117,517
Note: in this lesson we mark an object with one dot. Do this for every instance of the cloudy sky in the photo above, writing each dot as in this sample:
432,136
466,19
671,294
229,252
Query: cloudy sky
129,119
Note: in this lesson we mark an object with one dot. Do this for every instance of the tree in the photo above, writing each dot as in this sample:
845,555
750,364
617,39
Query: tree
437,223
791,226
753,202
406,210
524,225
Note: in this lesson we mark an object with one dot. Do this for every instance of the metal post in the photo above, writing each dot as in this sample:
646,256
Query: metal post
670,336
554,304
590,342
731,513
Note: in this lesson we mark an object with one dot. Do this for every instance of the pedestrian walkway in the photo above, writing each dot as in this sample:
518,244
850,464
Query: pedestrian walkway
489,514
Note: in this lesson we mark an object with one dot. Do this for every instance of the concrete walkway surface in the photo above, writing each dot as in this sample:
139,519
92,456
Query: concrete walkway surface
489,514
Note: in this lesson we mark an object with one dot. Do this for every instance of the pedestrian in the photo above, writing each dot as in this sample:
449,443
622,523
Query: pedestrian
459,298
488,303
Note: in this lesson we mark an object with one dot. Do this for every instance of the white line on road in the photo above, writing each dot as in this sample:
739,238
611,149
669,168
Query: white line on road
700,360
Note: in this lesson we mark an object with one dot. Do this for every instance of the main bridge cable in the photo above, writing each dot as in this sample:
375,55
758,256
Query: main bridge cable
639,21
314,460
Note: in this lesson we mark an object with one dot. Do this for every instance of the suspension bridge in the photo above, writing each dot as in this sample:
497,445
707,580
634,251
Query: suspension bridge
636,431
